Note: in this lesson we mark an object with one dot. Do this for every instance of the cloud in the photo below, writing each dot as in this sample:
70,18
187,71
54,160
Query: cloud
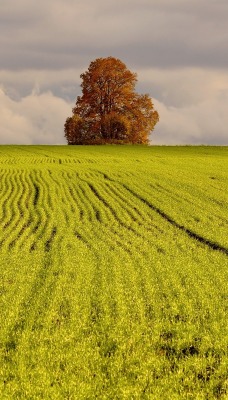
35,119
181,87
53,34
63,83
192,103
202,123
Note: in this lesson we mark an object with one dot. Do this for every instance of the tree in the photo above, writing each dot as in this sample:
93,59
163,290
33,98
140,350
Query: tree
109,110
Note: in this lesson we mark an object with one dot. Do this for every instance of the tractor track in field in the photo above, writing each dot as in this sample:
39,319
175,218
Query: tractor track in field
189,232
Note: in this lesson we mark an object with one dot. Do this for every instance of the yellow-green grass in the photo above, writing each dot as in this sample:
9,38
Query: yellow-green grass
113,272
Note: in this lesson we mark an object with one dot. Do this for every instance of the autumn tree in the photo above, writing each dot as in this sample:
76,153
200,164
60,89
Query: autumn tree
109,110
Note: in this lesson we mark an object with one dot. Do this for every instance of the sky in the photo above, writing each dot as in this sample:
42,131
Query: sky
178,48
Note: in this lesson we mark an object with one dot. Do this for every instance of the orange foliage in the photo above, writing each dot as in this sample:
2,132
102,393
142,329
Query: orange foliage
109,110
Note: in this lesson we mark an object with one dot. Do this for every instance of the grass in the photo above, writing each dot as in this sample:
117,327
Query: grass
113,268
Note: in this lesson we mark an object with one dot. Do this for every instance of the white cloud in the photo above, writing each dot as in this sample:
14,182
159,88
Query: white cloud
35,119
202,123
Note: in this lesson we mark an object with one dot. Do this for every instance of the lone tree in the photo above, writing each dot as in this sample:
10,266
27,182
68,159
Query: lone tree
109,110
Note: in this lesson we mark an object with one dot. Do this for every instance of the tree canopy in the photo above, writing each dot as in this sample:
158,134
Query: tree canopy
109,109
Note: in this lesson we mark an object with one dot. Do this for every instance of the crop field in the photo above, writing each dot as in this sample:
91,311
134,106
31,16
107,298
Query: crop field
113,272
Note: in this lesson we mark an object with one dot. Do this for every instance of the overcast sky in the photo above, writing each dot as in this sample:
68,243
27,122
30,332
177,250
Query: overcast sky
178,48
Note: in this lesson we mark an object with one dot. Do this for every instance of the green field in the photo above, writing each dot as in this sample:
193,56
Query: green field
113,272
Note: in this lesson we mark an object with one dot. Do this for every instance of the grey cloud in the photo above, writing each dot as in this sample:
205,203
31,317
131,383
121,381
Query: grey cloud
59,34
173,87
183,87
